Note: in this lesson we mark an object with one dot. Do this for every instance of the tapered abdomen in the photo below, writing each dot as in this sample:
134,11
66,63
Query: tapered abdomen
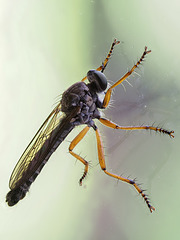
35,166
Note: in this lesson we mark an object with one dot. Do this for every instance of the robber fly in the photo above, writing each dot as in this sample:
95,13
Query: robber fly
80,104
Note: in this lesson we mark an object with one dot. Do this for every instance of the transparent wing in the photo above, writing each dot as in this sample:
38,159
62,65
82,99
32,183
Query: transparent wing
35,145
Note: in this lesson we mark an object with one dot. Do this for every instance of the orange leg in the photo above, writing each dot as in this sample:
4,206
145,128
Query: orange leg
103,166
104,64
109,91
75,141
110,124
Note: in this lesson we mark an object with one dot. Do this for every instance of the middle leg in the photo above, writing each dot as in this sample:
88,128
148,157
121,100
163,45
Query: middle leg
110,124
74,142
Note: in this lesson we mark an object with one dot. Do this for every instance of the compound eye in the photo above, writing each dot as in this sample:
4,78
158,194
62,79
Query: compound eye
98,79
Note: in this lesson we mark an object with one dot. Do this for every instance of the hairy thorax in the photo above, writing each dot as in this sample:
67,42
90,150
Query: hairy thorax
83,96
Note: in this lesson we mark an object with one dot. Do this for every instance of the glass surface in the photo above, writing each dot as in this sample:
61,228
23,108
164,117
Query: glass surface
45,46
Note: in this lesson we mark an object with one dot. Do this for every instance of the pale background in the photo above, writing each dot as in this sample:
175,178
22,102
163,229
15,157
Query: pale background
45,46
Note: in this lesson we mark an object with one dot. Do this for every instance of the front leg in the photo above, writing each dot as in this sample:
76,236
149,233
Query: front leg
109,91
104,64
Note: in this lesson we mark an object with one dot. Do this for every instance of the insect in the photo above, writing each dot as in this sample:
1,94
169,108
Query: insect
79,105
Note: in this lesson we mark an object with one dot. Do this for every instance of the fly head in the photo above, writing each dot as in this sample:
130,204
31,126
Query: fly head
98,80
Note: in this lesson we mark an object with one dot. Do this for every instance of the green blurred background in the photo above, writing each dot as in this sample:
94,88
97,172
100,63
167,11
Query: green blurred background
45,46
